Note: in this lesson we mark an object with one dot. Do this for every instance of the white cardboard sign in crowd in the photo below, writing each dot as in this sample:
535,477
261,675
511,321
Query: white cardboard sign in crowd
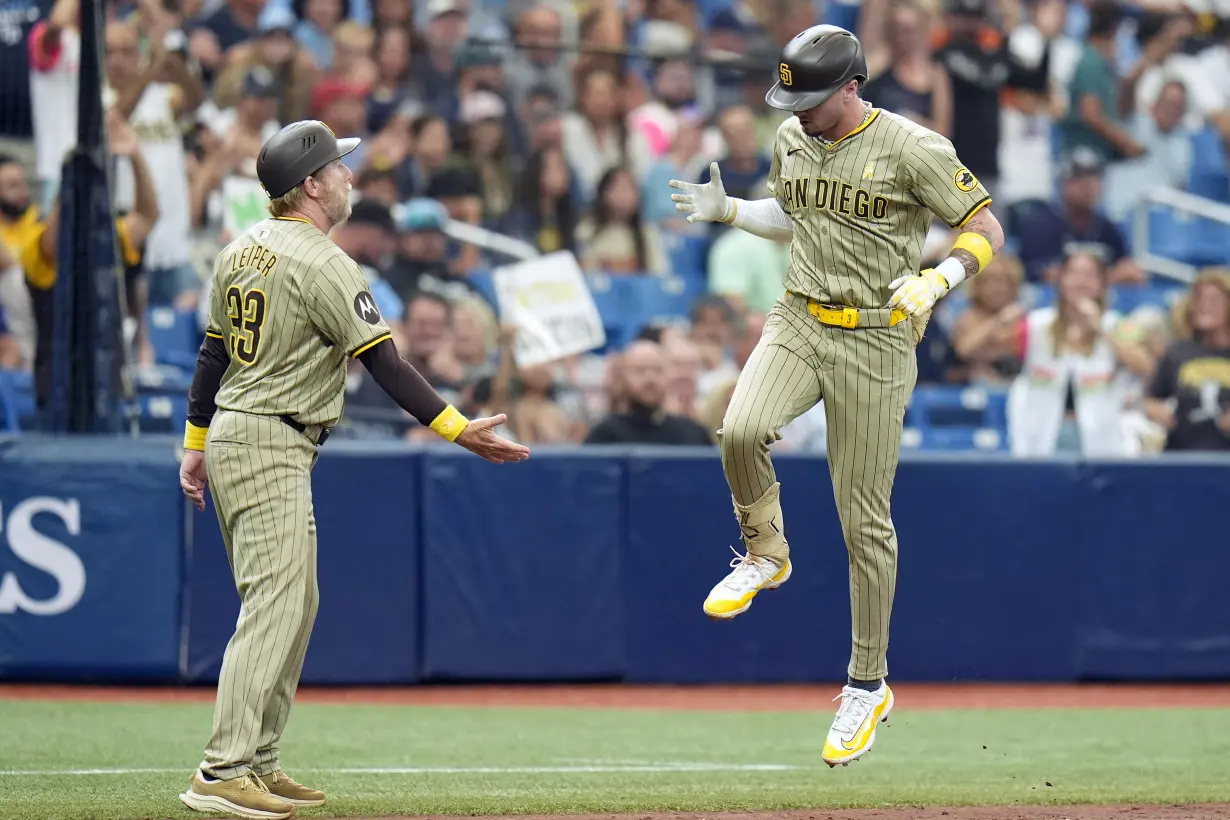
549,301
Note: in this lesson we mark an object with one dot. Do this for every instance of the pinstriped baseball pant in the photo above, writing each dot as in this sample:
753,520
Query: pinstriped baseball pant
260,479
865,378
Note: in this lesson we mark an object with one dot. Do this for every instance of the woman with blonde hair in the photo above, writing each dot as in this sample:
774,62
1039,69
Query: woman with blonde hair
1190,393
1077,371
987,335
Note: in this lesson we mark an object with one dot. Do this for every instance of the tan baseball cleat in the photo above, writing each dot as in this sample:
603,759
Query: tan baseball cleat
280,784
245,797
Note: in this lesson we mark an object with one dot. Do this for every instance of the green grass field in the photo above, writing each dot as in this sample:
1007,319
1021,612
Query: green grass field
61,760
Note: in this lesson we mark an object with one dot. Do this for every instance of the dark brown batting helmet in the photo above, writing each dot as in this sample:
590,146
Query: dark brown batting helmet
296,152
814,65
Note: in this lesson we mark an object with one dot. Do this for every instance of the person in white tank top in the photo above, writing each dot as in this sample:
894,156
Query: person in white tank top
155,98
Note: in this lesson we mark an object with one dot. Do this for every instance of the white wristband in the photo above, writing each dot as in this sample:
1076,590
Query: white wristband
952,271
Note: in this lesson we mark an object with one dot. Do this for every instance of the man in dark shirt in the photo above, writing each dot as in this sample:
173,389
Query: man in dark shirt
1190,393
645,422
1051,232
980,66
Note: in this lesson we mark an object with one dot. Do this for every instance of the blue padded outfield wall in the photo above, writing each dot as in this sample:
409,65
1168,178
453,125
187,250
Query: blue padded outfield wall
592,565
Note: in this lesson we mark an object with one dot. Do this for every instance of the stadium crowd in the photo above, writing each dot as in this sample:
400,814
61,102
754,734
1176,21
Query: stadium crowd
560,123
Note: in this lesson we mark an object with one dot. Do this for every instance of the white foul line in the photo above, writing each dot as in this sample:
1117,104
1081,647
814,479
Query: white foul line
656,768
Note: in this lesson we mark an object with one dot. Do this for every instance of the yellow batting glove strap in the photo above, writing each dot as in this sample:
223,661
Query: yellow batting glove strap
938,283
978,245
449,423
194,437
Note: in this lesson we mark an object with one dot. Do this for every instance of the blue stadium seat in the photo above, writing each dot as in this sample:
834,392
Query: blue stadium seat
17,406
689,255
1209,175
955,439
174,335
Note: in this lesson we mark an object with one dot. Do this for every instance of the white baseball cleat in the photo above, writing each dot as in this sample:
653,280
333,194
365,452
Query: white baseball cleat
733,594
854,728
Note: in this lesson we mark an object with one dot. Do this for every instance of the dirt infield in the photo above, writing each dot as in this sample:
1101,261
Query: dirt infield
802,697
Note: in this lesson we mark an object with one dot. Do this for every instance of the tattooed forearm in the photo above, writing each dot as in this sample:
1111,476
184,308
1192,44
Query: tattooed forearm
986,225
967,260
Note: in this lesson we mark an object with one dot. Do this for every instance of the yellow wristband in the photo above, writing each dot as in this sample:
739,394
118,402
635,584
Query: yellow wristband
194,437
449,423
978,245
734,211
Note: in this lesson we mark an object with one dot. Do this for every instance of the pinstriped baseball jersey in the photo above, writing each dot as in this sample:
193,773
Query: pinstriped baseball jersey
862,205
291,306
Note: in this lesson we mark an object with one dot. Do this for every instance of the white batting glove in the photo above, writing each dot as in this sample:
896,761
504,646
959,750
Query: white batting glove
703,203
918,292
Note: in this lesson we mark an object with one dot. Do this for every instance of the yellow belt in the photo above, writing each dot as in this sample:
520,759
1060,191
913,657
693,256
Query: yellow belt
847,317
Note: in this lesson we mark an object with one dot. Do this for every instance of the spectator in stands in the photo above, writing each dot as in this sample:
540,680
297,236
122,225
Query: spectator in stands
317,21
596,139
227,150
458,188
1190,393
55,62
19,223
538,61
39,257
1167,161
712,326
275,49
482,115
614,238
683,160
747,269
1096,110
1076,371
645,420
18,19
544,213
987,336
744,164
396,91
527,395
377,185
980,67
155,98
1028,114
905,79
673,94
231,25
437,67
369,238
428,334
475,338
1054,231
726,41
354,46
542,120
433,145
421,258
343,107
683,377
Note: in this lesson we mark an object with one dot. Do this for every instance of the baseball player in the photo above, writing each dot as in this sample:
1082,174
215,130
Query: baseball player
288,309
854,189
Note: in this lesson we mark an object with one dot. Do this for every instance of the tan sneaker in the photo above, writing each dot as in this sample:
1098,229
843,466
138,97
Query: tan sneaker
243,796
281,784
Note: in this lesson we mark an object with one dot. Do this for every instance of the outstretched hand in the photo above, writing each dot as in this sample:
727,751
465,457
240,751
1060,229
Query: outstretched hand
702,203
480,438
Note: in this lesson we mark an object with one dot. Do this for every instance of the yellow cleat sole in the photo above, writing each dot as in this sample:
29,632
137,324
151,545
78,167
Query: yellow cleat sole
846,760
774,583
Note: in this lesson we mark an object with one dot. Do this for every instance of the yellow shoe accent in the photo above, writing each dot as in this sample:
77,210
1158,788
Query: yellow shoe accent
245,797
733,594
854,728
281,784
